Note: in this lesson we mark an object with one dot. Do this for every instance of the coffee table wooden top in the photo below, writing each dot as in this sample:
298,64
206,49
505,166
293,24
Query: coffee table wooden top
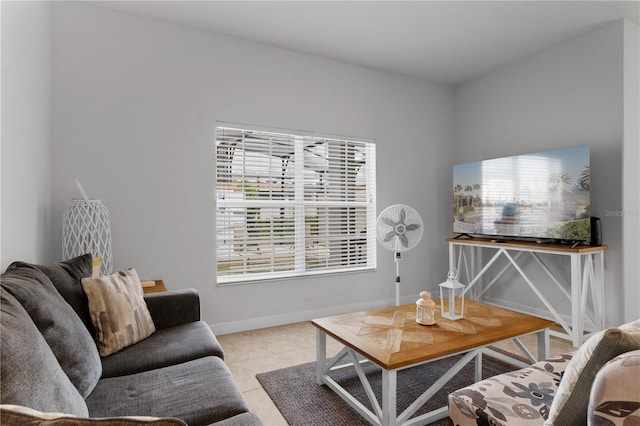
391,338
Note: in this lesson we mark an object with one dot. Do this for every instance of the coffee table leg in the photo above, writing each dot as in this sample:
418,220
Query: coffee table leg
389,400
321,354
543,344
478,366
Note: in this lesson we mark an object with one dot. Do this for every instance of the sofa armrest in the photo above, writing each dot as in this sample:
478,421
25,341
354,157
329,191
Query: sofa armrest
174,307
615,393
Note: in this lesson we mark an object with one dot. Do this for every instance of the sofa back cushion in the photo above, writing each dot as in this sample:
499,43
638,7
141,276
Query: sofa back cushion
31,375
64,332
66,277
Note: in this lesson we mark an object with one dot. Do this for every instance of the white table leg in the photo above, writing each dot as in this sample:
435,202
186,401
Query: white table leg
600,289
478,366
576,297
321,354
543,344
389,400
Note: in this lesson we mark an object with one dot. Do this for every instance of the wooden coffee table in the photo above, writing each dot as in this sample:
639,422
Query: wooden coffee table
391,338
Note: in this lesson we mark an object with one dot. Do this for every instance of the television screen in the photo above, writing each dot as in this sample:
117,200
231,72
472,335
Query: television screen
543,195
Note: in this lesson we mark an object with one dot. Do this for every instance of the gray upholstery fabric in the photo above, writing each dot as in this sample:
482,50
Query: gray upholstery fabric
66,276
175,307
69,340
164,348
31,375
199,392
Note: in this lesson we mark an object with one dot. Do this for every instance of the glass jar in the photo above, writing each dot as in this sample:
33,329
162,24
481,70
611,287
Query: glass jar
425,309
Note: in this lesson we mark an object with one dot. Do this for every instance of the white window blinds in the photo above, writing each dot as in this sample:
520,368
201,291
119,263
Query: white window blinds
291,205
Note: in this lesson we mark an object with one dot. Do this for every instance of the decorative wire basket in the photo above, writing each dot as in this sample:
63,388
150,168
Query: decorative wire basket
86,228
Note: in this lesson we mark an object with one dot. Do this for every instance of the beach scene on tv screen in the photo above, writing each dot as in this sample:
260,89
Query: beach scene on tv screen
538,195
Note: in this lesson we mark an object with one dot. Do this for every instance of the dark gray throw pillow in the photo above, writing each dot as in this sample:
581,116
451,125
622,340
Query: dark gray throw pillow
31,375
68,338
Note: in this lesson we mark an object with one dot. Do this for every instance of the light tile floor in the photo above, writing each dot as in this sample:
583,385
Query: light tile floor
251,352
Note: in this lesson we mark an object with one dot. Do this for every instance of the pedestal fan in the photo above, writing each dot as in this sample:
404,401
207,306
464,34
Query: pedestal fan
399,229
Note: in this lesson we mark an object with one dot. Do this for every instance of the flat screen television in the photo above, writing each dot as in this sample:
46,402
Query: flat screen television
542,195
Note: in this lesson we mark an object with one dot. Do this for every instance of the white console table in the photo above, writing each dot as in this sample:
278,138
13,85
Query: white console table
586,281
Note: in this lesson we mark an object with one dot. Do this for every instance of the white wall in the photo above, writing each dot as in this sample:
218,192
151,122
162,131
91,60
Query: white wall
135,106
567,95
26,132
631,171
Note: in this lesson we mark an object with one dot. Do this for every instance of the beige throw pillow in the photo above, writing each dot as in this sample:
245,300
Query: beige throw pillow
17,415
118,310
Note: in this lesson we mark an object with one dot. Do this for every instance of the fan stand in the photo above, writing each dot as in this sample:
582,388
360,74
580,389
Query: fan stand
397,257
399,228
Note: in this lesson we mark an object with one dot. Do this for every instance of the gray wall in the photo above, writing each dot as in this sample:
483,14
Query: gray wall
567,95
135,106
25,230
631,171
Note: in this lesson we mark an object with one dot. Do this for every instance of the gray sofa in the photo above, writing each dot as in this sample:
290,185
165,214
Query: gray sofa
50,362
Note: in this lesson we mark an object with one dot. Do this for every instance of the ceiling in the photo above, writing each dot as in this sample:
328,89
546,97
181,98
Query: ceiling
447,42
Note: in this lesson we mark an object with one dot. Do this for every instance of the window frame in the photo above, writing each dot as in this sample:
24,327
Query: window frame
300,205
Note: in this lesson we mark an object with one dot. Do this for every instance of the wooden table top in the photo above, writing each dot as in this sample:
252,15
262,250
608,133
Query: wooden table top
153,286
392,338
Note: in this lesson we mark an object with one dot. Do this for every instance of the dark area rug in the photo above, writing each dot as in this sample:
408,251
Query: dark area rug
302,402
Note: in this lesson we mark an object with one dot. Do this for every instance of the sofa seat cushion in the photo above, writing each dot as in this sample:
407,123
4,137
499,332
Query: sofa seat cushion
68,338
31,375
522,397
199,392
164,348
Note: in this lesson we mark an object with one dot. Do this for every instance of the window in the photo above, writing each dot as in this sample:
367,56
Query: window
291,205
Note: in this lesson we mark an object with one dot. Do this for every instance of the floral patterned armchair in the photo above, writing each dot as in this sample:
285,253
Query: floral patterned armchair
522,397
598,385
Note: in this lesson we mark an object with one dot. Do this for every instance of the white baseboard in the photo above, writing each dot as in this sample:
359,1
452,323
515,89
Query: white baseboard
293,317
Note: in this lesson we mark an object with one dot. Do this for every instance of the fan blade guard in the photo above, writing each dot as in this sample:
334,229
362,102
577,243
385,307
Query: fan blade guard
399,228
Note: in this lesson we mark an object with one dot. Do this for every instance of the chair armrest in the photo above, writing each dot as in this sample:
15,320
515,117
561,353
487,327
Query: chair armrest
174,307
615,394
